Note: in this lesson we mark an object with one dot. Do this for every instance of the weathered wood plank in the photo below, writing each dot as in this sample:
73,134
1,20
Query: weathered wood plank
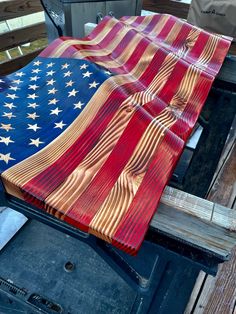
194,231
17,63
219,294
223,190
200,208
15,8
21,36
222,165
199,282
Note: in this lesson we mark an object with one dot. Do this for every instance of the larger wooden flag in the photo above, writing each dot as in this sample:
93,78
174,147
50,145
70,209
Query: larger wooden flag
91,130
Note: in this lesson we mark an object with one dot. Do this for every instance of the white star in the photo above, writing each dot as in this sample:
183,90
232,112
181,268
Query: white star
84,66
20,74
78,105
68,73
32,105
12,96
9,105
59,125
6,157
6,140
35,142
33,127
32,96
17,81
15,88
8,115
50,72
2,81
36,71
34,78
72,93
87,74
37,62
93,85
52,91
34,87
53,101
6,127
51,82
65,66
49,65
32,116
56,111
107,72
70,83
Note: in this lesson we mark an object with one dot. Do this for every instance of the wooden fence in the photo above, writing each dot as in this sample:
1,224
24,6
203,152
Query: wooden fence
12,9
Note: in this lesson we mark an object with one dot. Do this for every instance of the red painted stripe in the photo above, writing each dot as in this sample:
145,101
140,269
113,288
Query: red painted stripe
95,194
90,201
180,39
114,32
130,63
43,184
188,118
166,29
84,209
131,230
154,19
48,50
176,76
218,57
194,53
118,50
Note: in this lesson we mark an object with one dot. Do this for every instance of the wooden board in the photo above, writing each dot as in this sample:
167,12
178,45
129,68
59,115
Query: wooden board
184,226
21,36
10,9
17,63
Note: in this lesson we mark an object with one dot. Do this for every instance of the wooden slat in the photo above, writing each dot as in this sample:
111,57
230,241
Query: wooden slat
15,8
21,36
218,295
17,63
200,208
224,190
188,228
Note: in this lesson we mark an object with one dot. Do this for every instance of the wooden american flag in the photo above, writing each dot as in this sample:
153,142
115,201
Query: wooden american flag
91,130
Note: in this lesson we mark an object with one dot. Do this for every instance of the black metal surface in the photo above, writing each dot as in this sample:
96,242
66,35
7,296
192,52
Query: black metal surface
35,262
35,259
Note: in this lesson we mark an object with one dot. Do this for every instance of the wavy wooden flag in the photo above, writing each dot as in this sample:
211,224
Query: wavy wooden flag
91,130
